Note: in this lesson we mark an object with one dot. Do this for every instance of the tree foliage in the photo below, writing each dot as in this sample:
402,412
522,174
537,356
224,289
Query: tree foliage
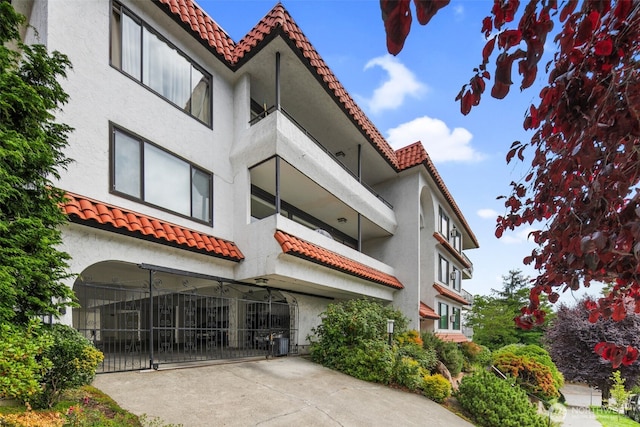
31,152
585,165
572,337
491,317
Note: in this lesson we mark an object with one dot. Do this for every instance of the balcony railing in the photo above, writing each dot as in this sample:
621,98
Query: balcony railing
266,112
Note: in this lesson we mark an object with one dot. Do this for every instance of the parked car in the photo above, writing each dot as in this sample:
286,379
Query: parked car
632,408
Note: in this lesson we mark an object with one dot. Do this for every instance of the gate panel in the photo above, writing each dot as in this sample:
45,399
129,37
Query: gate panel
187,326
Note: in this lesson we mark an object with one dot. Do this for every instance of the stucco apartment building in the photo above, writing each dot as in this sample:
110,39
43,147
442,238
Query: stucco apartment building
223,193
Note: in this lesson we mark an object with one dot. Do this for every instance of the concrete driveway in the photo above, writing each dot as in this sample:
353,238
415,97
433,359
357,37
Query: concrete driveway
289,391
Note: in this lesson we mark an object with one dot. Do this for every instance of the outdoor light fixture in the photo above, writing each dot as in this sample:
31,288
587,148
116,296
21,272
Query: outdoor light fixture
342,220
390,323
340,154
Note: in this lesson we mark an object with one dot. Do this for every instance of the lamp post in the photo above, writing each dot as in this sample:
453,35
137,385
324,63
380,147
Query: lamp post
390,323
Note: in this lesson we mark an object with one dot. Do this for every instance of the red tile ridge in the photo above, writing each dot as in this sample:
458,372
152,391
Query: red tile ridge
427,312
297,247
278,18
446,292
414,155
90,211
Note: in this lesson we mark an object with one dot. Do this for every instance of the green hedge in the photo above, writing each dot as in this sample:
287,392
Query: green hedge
495,402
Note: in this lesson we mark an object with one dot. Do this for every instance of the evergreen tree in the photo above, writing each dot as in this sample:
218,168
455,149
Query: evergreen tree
31,152
491,317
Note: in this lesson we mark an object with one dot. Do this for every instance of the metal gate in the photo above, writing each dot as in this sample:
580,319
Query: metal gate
136,329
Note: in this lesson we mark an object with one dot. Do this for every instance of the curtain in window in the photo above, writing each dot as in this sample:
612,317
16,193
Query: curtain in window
131,47
165,71
200,194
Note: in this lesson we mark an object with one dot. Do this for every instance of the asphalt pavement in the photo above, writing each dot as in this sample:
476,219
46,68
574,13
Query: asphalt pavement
287,391
579,398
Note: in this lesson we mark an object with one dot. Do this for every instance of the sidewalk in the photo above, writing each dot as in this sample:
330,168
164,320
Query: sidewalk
288,391
578,399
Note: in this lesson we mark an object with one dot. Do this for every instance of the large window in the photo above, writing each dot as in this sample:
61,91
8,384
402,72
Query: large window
146,172
443,311
142,54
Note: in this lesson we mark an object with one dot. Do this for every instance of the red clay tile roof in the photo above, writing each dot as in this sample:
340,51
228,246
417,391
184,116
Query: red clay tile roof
101,215
446,292
414,155
453,337
445,243
279,21
301,248
427,312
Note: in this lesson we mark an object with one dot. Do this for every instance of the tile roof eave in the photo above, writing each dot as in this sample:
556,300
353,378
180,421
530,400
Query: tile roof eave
450,294
92,213
294,246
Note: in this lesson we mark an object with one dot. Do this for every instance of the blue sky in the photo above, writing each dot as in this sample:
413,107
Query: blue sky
412,97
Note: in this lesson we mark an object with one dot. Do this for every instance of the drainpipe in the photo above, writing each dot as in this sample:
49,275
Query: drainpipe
151,362
278,81
277,185
360,181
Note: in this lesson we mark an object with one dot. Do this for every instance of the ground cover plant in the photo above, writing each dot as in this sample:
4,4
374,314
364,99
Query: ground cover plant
80,407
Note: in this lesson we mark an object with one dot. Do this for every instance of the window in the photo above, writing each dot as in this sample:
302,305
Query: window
443,311
455,278
455,318
443,226
443,270
143,55
146,172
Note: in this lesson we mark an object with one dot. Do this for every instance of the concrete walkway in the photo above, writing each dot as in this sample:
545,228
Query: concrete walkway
578,399
289,391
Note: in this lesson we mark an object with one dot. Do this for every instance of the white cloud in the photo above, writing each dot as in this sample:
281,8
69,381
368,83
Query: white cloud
458,10
487,213
401,82
442,143
518,236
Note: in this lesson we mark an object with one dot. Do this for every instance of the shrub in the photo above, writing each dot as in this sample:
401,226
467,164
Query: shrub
74,361
408,373
475,354
427,358
408,337
494,402
532,376
436,387
369,361
448,352
538,363
349,324
22,365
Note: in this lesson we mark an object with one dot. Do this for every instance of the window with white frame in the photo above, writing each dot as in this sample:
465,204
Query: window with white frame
145,172
443,270
142,54
443,311
455,318
455,278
